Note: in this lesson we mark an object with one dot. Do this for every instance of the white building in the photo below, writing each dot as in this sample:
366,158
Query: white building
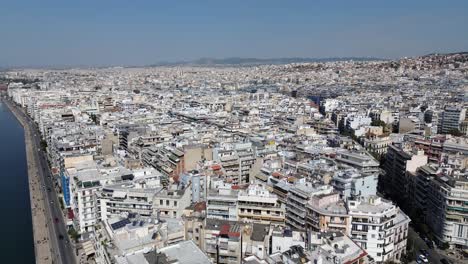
379,227
257,204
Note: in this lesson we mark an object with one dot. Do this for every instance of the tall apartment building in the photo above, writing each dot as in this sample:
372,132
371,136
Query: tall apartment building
450,119
379,227
400,166
447,198
423,178
257,204
298,197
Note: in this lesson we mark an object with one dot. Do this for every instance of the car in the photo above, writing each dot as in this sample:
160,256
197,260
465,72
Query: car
423,258
56,220
424,252
60,237
445,261
51,202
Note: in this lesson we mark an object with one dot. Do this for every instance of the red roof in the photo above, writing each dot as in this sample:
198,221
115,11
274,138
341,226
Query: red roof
216,167
225,230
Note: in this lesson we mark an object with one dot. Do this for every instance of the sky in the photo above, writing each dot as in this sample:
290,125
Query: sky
125,32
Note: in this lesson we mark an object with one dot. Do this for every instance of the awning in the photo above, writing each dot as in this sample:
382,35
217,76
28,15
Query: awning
71,215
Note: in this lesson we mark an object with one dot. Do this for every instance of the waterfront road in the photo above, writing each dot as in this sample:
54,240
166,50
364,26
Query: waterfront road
62,248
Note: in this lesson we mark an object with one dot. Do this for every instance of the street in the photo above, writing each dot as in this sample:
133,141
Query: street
418,244
63,251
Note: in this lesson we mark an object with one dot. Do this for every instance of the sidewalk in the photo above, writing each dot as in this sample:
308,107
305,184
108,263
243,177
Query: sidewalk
42,245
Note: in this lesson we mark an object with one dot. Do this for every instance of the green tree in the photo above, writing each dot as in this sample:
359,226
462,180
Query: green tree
43,145
74,234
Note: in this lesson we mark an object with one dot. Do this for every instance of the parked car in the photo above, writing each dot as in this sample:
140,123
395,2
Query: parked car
424,252
423,258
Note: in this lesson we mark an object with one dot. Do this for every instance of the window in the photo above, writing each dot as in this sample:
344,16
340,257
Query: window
161,202
175,203
379,254
167,202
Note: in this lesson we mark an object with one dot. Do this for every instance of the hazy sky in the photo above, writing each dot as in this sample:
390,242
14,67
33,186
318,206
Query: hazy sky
98,32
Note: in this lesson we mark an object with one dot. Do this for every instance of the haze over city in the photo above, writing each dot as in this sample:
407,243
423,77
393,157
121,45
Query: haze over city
67,33
234,132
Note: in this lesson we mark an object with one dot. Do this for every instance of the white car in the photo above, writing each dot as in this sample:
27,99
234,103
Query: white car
423,258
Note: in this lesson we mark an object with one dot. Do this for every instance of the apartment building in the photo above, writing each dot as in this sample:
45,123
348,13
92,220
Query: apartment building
447,205
298,197
379,227
424,175
222,241
237,160
282,239
113,200
327,212
166,159
353,183
400,167
357,159
450,119
222,204
336,248
256,204
172,201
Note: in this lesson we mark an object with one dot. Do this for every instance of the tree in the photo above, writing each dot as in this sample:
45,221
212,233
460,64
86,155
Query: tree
445,246
43,145
455,132
74,234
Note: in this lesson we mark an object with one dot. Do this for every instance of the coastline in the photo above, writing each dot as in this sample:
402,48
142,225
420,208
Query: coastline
42,246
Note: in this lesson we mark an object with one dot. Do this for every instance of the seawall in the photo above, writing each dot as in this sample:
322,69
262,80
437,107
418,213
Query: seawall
42,246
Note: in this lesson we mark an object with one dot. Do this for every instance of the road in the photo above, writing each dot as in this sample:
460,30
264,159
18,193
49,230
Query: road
418,244
62,248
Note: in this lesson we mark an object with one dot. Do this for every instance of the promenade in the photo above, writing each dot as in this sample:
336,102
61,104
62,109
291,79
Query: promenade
41,233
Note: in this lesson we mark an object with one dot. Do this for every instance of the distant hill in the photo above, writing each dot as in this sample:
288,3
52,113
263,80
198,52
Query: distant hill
257,61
